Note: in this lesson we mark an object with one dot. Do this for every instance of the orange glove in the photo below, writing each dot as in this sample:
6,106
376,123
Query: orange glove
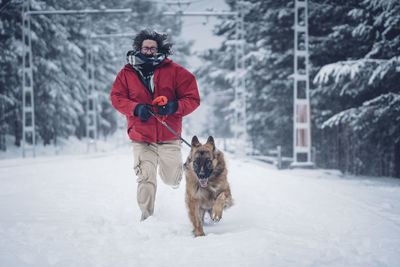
160,101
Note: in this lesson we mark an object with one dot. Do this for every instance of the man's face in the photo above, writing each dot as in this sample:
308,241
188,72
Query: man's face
149,47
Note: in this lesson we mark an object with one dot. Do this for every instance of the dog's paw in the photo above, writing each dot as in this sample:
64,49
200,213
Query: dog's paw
198,232
216,215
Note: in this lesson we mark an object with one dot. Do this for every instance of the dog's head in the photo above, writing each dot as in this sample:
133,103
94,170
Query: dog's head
203,159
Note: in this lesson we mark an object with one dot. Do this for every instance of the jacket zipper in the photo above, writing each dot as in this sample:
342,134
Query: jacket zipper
152,98
152,94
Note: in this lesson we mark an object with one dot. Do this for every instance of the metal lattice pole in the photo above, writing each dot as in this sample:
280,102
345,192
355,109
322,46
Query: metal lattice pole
2,125
301,103
91,101
28,106
240,122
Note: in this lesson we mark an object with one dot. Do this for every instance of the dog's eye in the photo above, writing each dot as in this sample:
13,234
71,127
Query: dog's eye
196,164
209,163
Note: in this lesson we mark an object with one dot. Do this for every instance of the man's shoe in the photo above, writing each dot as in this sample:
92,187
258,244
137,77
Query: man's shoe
145,215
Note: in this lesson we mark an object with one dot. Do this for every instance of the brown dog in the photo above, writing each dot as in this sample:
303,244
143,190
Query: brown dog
207,187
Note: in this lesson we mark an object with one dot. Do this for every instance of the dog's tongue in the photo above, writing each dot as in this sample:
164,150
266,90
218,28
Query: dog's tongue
203,182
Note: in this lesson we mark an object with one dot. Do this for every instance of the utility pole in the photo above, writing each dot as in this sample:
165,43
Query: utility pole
2,125
91,100
28,112
240,121
301,103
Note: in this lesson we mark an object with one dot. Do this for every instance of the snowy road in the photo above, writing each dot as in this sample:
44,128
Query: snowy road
81,211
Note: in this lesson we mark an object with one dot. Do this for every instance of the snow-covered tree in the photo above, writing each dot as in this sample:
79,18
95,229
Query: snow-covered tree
354,54
10,85
356,103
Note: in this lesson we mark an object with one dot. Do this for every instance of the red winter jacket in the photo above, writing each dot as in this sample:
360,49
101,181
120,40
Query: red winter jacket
170,80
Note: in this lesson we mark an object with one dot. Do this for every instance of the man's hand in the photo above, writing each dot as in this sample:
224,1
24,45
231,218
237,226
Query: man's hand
169,108
142,111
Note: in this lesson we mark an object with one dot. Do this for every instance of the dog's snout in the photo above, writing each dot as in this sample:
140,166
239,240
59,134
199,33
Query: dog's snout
202,175
201,168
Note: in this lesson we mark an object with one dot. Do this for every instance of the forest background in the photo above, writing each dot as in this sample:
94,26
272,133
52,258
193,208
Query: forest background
354,61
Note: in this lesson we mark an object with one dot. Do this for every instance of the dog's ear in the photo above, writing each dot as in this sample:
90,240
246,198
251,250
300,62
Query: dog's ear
195,142
211,142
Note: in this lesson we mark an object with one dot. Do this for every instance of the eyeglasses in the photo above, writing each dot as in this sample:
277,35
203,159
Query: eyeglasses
151,49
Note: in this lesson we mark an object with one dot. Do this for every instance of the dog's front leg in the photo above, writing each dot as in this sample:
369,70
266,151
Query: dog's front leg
218,207
194,214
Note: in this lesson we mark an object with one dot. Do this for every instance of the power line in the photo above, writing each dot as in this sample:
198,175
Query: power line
129,10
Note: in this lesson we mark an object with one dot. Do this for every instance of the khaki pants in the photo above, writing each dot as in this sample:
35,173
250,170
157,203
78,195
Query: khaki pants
147,157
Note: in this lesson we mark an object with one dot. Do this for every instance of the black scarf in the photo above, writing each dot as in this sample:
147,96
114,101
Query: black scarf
145,65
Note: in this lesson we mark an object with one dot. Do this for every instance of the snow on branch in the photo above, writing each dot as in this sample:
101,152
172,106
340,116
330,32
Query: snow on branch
345,69
384,68
343,117
217,73
380,4
385,107
389,100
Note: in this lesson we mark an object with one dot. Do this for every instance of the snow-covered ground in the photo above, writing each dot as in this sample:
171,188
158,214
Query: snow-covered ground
80,210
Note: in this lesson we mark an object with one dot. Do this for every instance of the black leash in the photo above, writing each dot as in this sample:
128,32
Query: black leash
169,128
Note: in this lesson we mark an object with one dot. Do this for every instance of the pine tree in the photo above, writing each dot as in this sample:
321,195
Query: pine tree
356,102
10,85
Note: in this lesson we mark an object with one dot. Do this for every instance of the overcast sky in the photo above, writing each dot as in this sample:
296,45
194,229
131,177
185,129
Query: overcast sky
199,29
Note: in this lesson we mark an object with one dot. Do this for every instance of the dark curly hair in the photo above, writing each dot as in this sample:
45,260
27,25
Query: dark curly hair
164,48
